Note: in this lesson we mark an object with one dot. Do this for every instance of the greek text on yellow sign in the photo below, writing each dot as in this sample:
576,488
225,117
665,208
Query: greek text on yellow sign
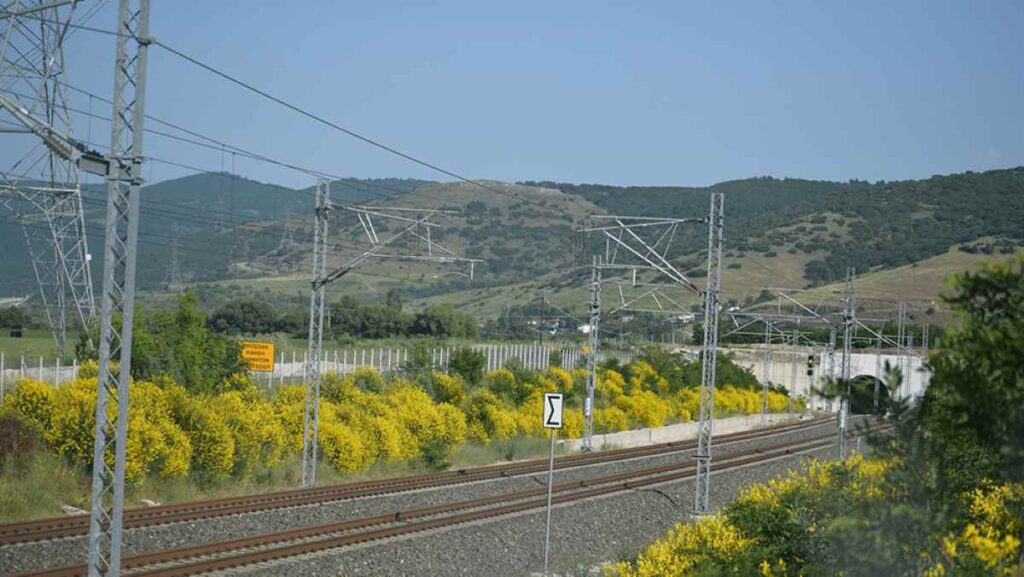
259,356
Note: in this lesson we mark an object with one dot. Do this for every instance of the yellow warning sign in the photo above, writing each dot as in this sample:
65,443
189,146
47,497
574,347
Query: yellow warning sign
259,356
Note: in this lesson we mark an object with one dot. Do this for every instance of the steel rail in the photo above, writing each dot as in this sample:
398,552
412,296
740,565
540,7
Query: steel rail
281,545
63,527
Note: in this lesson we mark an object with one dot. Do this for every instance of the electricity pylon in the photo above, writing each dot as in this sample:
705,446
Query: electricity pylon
709,358
41,188
643,244
120,250
593,342
415,224
849,319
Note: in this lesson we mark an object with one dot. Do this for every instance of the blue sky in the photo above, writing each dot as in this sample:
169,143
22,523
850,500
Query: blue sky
651,92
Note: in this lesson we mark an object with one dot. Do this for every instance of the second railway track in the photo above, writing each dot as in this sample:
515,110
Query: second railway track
276,546
75,526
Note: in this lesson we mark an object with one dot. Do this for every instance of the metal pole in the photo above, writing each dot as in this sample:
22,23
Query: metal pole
593,341
551,484
878,367
793,371
849,312
314,352
764,372
121,241
900,343
831,363
705,429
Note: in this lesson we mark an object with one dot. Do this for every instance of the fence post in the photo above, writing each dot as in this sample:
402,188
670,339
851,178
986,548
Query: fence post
40,368
3,376
56,371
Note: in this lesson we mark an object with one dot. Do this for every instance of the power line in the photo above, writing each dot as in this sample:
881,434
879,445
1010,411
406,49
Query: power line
325,122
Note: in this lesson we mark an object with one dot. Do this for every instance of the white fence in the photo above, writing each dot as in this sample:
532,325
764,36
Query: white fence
293,367
389,360
52,371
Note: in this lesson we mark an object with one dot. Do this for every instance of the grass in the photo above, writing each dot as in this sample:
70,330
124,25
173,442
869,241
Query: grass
38,484
922,282
35,343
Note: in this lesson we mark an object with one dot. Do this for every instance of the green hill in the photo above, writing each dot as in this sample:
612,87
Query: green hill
779,232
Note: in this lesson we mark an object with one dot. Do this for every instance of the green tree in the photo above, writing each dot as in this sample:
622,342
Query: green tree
393,300
468,364
246,316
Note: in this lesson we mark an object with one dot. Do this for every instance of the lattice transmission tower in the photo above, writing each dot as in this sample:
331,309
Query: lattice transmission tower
41,187
643,244
414,224
124,179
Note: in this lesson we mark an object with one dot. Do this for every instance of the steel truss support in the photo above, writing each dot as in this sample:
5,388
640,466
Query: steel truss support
846,388
311,416
705,429
593,341
121,241
416,225
42,187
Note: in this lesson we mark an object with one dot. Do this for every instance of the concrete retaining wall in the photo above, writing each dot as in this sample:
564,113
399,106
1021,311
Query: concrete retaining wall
677,432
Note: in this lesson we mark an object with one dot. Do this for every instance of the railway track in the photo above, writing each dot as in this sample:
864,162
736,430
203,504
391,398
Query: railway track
76,526
276,546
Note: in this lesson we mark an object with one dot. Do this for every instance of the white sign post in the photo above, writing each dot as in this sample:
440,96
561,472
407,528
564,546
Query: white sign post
553,405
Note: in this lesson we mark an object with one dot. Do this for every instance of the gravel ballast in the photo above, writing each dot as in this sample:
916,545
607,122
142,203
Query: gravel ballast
585,534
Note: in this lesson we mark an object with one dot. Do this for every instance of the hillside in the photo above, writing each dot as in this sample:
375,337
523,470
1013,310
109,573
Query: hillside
832,225
779,232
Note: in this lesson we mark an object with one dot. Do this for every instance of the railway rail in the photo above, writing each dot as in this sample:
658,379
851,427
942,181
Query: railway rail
75,526
277,546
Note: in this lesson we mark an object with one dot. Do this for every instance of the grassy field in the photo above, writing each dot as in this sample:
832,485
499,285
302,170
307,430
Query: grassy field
924,280
35,343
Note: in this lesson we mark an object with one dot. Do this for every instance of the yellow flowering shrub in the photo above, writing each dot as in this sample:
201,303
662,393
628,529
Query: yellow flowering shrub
611,384
684,548
415,412
454,429
561,378
364,418
502,382
33,400
72,427
487,418
686,404
991,536
213,445
644,408
289,404
342,447
528,415
572,423
643,377
610,419
447,388
258,434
